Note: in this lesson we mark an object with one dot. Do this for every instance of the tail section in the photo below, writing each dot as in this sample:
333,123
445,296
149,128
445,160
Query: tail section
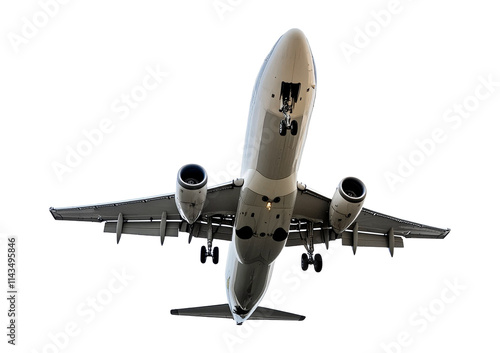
224,311
220,311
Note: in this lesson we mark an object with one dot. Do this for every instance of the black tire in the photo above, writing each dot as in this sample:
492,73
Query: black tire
203,254
282,128
304,262
215,256
318,263
294,127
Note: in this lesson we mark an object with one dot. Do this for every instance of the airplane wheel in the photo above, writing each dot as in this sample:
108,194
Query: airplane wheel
304,262
282,128
294,126
318,263
203,254
215,256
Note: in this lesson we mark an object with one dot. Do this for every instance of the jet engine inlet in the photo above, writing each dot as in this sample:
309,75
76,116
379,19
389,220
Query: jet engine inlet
346,204
191,191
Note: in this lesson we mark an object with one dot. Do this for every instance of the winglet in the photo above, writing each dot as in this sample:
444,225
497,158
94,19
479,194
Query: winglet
54,214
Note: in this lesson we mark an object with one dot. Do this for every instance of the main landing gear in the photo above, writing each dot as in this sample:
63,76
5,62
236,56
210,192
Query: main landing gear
213,253
310,258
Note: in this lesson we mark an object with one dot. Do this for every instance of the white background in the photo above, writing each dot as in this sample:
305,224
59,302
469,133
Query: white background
427,58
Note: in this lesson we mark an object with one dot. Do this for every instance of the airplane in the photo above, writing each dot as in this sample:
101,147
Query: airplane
266,209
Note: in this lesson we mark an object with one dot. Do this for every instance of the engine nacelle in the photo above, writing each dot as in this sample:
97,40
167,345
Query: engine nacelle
347,202
191,191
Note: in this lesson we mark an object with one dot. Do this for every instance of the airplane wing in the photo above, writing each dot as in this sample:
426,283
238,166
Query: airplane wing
370,229
158,215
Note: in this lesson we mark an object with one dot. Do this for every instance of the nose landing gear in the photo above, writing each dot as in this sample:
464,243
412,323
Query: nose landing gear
289,96
286,124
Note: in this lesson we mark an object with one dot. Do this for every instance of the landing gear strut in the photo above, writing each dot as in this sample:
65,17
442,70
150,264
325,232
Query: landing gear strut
289,95
287,123
310,258
214,253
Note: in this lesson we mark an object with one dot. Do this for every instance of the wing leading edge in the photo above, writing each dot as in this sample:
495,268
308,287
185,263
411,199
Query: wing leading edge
158,215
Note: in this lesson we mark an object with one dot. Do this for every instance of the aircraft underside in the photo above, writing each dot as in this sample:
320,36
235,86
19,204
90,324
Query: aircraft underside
267,209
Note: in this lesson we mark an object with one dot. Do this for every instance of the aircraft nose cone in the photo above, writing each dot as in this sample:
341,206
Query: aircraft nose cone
292,58
294,34
294,39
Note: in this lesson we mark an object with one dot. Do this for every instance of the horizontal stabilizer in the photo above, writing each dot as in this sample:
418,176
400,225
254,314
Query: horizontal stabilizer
223,311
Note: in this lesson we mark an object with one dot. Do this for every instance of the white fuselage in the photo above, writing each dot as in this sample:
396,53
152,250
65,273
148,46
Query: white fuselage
269,168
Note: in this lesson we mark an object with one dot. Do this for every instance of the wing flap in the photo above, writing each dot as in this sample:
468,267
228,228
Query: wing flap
152,228
222,231
371,240
144,228
321,235
376,222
